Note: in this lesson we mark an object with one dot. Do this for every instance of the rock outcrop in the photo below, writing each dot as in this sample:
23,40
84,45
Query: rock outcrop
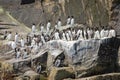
85,57
81,58
90,57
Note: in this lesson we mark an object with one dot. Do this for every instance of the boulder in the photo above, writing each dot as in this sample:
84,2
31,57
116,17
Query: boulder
106,60
32,75
89,57
61,73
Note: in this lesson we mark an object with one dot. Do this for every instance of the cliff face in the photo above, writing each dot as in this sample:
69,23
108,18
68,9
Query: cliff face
93,13
115,16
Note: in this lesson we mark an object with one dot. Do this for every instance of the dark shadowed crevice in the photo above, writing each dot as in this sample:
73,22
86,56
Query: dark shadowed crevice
114,4
27,2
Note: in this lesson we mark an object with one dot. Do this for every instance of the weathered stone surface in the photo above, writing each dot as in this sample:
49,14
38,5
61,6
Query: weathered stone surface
33,75
88,57
5,66
10,2
84,11
111,76
61,73
119,57
28,75
96,57
52,55
115,16
106,60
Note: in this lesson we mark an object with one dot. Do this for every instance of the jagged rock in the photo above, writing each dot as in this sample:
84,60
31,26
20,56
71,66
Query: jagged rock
61,73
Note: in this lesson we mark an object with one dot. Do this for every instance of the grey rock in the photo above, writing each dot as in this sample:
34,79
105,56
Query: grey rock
90,57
